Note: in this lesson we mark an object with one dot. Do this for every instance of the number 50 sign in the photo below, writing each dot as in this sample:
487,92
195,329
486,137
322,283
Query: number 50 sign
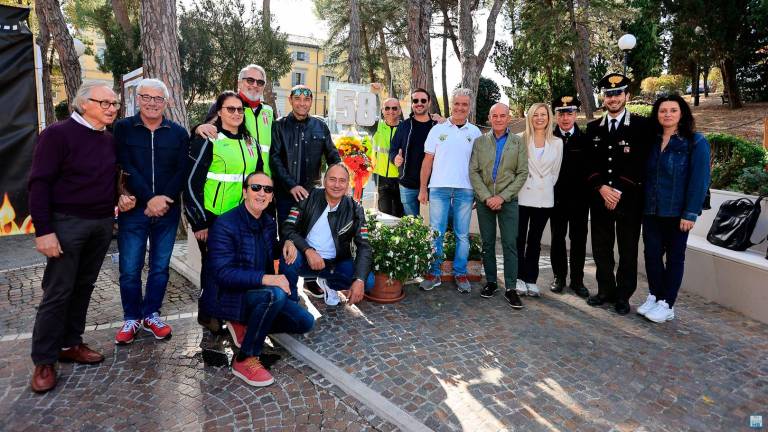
352,104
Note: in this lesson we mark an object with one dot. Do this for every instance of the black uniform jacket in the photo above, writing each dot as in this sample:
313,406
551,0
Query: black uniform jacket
572,182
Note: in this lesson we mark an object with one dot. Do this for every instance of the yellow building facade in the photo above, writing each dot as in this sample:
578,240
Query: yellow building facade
309,69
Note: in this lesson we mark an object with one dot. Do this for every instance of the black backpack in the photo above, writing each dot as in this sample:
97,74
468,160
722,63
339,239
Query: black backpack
734,223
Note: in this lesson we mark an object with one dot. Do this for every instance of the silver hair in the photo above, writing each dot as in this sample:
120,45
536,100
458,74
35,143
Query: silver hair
249,67
154,84
461,91
84,92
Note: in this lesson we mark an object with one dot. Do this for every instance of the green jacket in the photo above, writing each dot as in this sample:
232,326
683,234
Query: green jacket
232,161
259,125
381,139
512,171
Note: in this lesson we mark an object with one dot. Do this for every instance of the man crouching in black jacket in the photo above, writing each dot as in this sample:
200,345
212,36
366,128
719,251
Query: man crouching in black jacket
319,232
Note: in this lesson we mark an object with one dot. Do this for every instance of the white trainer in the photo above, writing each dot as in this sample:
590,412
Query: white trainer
331,297
661,313
521,288
649,304
533,290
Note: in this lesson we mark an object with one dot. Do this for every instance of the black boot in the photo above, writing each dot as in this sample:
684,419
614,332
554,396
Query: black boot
579,289
558,285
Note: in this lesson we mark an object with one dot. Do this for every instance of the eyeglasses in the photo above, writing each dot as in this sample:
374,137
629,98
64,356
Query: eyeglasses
257,187
391,108
419,101
232,110
156,99
257,81
105,104
301,92
609,93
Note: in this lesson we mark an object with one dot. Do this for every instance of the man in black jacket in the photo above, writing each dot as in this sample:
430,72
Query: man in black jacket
319,232
299,141
571,212
619,143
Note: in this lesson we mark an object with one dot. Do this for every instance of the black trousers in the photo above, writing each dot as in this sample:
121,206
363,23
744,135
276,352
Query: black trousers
68,282
571,217
621,227
530,229
389,196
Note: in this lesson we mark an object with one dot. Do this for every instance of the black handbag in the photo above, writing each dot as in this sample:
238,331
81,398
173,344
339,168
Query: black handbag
734,223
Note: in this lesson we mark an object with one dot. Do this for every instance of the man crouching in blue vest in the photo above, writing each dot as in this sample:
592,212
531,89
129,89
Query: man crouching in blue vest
255,302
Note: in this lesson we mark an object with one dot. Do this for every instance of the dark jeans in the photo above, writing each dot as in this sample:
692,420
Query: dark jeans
338,274
609,227
389,196
662,238
207,303
529,233
570,217
271,310
507,219
68,283
134,230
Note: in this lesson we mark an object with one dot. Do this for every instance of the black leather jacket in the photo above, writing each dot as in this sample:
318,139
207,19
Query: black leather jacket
347,224
297,147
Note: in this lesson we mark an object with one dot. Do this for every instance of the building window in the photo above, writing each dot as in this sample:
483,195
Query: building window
300,56
325,82
298,78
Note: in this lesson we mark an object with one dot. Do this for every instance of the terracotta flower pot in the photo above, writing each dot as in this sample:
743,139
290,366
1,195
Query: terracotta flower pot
385,290
474,270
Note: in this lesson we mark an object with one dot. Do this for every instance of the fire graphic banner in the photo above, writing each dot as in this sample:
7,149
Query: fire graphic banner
18,109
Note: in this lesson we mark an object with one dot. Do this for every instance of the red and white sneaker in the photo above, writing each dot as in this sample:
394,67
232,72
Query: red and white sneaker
237,331
156,326
128,332
252,371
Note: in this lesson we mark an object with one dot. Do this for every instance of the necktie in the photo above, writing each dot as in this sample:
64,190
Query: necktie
567,135
613,125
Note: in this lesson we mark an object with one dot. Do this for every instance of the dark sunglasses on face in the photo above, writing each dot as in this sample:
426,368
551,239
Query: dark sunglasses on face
232,110
392,108
251,81
257,187
147,98
423,101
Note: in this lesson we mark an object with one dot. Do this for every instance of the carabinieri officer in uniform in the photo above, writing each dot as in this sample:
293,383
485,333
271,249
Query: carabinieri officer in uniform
571,212
619,143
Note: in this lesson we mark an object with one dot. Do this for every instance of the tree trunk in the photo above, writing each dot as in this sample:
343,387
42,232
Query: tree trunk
121,16
695,83
444,72
419,20
355,69
44,42
385,64
160,48
581,58
269,94
368,56
65,46
705,70
728,69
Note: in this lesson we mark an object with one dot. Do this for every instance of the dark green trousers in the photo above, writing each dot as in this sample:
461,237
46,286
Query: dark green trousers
507,219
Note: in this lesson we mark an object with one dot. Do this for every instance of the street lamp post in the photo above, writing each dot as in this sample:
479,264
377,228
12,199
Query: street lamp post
626,43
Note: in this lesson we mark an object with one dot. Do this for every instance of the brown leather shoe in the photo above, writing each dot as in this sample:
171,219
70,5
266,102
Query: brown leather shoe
43,378
80,354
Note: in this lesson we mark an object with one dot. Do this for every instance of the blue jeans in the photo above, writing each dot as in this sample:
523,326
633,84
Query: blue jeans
410,199
270,310
441,199
134,230
338,274
663,239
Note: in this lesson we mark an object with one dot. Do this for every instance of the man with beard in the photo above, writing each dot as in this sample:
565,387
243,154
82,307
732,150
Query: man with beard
618,148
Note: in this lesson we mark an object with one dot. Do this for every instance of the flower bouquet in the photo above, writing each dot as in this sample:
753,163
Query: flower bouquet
354,152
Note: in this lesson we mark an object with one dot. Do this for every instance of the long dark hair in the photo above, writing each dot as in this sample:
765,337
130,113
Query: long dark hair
687,125
242,130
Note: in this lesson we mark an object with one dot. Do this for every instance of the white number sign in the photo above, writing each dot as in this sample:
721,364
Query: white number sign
355,107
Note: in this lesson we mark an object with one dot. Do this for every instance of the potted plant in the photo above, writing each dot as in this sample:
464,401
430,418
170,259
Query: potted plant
474,260
401,252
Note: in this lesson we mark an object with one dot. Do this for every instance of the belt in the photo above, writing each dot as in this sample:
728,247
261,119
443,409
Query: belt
228,178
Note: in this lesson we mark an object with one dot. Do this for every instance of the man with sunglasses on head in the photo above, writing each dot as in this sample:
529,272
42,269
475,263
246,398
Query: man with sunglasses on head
619,145
258,115
406,150
299,143
152,150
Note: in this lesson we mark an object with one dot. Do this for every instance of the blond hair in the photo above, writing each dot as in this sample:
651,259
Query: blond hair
529,131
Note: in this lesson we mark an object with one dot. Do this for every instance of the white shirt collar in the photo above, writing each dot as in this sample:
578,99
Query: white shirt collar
618,117
78,118
570,131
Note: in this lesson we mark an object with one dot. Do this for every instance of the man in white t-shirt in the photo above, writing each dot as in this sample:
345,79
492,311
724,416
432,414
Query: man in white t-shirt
445,171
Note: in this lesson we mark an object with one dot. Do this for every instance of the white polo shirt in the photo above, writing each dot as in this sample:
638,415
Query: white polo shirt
452,148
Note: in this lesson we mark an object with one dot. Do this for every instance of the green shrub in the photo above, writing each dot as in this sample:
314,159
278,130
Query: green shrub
664,83
402,251
753,181
197,113
731,156
643,110
475,246
61,110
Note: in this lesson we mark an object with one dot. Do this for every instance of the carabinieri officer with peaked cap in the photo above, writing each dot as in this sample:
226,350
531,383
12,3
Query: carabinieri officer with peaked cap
571,212
619,143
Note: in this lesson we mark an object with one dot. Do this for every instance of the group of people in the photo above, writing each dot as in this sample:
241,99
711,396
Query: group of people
249,186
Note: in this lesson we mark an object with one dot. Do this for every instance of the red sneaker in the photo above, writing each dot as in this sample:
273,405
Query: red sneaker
128,332
237,331
251,371
156,326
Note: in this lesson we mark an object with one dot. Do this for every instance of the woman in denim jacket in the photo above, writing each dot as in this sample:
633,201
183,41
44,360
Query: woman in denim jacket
677,178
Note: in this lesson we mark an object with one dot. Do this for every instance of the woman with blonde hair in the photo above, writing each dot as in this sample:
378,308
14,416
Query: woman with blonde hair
537,197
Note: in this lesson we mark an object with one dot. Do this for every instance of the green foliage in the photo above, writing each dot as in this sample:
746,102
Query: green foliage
753,180
643,110
61,110
731,156
487,94
664,83
403,251
197,112
646,57
475,246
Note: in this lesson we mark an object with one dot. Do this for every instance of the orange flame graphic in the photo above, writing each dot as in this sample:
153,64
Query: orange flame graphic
7,218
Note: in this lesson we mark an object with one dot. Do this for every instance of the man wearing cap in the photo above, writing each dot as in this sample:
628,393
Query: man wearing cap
618,148
571,211
299,141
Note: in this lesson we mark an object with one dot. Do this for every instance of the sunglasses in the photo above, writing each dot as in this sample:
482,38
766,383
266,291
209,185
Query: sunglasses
302,92
257,187
613,92
423,101
232,110
391,108
252,81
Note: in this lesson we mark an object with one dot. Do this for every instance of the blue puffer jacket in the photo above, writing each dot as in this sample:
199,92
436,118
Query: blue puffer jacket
240,252
677,179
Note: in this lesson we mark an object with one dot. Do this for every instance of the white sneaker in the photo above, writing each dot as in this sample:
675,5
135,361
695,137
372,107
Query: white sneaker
331,297
533,290
661,313
649,304
521,288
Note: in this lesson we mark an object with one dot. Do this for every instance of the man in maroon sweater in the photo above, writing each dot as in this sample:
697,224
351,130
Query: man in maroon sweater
72,195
